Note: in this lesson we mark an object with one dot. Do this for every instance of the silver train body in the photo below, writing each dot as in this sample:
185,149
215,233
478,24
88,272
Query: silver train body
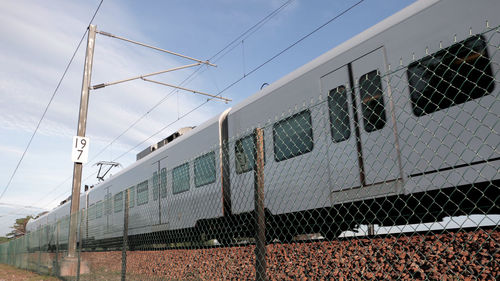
399,161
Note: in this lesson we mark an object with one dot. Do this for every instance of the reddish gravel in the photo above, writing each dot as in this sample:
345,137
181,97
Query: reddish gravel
453,256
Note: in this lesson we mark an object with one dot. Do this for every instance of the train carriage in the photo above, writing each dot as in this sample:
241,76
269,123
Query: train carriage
397,125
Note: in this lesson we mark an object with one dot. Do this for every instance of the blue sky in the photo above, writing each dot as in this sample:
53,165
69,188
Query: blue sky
39,37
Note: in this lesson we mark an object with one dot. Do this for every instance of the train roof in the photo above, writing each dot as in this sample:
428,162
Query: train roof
161,149
343,47
367,34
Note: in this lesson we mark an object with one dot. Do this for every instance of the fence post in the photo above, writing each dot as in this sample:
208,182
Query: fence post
39,249
80,241
125,236
57,249
16,250
260,219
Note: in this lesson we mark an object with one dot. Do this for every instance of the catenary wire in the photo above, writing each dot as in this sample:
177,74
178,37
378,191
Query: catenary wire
244,76
49,103
217,56
230,85
245,35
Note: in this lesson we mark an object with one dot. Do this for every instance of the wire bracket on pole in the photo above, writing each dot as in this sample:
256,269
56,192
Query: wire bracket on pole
155,48
102,85
189,90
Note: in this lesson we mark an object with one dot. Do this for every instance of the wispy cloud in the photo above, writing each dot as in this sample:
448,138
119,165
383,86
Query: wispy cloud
39,40
4,149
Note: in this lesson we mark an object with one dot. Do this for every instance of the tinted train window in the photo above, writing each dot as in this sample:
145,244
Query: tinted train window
339,114
156,186
372,101
131,199
142,193
293,136
118,206
244,150
163,182
98,209
180,178
457,74
204,169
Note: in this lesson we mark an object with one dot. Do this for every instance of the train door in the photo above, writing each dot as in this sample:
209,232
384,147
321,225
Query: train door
376,123
159,206
363,152
155,206
341,144
86,217
107,211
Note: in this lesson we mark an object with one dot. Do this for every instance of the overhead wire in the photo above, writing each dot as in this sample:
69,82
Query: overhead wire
245,75
291,46
49,103
247,33
46,109
217,56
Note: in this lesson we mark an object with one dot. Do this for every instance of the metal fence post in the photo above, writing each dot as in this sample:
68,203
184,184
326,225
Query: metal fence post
125,236
39,248
260,219
56,272
82,214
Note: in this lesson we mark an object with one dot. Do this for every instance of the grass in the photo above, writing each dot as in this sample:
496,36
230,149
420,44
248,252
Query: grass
10,273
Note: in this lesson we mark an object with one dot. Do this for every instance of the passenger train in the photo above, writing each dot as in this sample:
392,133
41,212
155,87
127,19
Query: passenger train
387,146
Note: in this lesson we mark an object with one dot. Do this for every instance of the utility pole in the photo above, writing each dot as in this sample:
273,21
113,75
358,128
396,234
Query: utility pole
70,264
77,168
82,126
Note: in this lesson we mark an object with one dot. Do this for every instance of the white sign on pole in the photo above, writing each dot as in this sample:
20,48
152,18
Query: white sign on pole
80,152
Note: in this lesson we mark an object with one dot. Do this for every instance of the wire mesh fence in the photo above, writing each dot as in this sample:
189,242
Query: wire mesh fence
385,175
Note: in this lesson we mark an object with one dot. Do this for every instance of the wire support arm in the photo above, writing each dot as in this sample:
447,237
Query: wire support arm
102,85
155,48
189,90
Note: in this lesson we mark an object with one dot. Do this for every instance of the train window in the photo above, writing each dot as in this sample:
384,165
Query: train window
293,136
339,114
142,193
455,75
156,186
98,210
372,101
118,202
131,199
163,183
180,178
244,150
204,169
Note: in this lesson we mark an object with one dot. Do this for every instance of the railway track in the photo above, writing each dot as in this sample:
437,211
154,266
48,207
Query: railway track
463,254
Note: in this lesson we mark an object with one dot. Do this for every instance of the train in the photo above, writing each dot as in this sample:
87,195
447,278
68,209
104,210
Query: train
397,125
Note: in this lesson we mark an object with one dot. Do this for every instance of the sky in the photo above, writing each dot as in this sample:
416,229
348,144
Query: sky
40,37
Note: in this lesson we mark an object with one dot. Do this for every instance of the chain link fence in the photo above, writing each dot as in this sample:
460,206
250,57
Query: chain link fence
386,175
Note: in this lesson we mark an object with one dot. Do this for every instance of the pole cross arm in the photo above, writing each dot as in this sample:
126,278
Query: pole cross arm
186,89
102,85
155,48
